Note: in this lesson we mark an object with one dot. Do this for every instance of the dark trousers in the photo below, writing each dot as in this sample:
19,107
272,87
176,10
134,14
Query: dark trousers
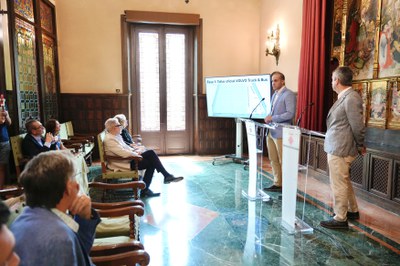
150,162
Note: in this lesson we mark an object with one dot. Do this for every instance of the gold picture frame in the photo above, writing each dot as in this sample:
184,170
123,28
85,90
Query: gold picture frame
394,104
363,89
378,104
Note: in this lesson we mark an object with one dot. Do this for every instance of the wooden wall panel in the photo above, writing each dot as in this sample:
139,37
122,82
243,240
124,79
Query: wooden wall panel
215,135
88,112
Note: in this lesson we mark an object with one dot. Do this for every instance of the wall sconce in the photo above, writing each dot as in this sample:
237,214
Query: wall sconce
273,47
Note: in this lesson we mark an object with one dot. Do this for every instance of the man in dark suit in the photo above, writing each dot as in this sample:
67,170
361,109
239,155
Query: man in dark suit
344,139
283,108
34,143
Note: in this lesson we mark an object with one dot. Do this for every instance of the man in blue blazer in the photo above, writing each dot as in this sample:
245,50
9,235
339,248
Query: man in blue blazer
34,143
283,108
343,140
57,227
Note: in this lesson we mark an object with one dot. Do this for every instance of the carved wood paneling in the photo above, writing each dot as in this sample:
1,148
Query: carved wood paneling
379,175
88,112
321,159
375,175
356,171
396,181
308,152
215,135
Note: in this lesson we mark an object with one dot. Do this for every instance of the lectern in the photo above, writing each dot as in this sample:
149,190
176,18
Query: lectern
290,157
255,141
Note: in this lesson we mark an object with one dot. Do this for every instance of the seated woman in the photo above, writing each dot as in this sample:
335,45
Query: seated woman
53,127
114,145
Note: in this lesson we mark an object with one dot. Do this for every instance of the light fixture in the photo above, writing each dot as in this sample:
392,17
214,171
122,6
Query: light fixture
273,47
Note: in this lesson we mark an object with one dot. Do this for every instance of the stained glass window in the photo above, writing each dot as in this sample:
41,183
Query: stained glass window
50,97
46,17
24,8
27,71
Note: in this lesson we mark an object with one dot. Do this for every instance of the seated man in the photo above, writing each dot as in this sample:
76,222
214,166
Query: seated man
7,241
34,143
57,225
115,146
126,136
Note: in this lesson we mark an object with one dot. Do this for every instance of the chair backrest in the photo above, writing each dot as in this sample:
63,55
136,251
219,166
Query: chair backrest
100,142
16,146
70,128
63,131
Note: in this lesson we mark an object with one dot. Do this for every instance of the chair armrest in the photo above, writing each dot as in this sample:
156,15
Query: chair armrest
138,257
113,205
132,184
118,158
130,211
15,191
131,245
137,139
75,146
72,141
78,135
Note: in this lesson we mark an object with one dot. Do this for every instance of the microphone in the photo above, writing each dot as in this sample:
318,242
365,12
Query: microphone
302,112
251,114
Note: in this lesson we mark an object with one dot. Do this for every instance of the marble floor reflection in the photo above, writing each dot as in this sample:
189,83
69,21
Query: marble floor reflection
205,220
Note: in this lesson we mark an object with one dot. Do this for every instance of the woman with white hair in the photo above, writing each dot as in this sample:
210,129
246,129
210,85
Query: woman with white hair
114,145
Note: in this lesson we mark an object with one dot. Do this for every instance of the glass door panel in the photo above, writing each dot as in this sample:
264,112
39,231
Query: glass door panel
149,82
176,85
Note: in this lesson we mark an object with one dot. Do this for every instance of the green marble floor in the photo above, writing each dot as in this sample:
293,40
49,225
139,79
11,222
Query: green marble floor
205,220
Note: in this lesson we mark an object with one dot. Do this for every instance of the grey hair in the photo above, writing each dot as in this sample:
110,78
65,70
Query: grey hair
110,123
344,74
121,118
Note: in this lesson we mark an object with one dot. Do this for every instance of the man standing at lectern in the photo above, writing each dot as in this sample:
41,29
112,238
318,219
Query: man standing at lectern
283,108
344,139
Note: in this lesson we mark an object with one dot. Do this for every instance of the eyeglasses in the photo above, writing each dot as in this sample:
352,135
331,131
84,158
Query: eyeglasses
118,126
38,127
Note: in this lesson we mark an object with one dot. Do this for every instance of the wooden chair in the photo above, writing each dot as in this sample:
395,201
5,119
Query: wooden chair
108,174
73,135
14,198
86,140
19,159
117,236
118,226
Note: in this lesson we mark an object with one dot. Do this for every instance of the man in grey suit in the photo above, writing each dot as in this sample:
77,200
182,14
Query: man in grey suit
283,107
344,139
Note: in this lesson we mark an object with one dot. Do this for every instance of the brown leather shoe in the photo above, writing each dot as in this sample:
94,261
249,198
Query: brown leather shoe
333,224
